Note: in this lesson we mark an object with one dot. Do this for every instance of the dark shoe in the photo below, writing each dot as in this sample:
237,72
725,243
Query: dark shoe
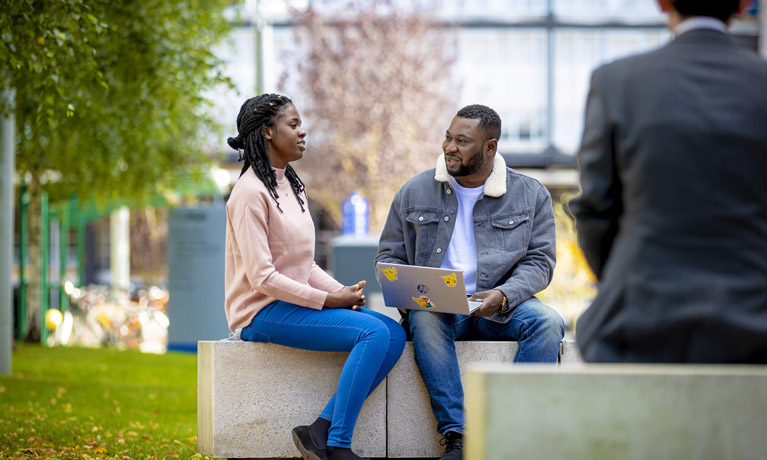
343,453
303,440
454,446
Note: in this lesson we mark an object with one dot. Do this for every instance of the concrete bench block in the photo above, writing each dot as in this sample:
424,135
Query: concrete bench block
616,411
569,353
412,429
250,395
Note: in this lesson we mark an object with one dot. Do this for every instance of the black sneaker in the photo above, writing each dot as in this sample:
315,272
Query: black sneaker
454,446
303,440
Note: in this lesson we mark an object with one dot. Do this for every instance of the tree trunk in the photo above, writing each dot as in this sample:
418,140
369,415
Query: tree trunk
33,287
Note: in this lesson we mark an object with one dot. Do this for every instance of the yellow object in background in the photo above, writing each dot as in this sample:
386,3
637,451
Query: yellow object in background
53,318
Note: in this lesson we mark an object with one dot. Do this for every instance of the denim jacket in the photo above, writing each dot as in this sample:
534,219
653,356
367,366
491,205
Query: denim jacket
513,230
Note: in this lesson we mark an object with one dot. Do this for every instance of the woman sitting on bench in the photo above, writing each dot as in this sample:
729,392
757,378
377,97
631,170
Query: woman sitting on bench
275,292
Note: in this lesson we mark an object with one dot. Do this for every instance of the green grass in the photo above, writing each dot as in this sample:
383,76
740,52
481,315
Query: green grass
67,403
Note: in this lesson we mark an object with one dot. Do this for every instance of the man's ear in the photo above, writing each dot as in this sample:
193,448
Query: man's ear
742,7
491,146
664,5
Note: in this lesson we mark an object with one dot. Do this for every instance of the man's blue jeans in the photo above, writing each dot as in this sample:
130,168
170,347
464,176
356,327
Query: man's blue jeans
375,343
538,329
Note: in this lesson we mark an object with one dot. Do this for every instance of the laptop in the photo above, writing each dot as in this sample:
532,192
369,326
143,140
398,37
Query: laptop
424,288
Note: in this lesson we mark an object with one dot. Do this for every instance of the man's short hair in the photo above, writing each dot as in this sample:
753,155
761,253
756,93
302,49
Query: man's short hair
719,9
488,119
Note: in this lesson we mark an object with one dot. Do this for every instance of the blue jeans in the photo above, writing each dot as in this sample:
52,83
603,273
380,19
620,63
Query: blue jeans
375,343
538,329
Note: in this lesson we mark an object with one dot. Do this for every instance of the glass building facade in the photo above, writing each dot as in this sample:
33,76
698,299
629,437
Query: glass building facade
528,59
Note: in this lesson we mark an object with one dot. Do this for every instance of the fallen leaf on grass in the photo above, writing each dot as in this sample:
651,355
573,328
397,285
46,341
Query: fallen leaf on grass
146,436
100,450
192,439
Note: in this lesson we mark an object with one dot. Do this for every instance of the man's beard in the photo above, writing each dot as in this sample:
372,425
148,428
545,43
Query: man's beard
472,166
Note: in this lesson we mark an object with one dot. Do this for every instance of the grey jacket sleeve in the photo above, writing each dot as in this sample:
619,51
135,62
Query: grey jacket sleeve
391,245
599,207
534,271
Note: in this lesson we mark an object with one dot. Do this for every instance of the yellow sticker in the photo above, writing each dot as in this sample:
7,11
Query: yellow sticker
423,301
391,273
449,279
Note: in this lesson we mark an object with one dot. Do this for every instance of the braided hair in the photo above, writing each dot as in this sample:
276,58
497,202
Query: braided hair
255,114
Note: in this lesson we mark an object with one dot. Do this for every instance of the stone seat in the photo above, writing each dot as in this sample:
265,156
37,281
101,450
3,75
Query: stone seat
250,395
627,412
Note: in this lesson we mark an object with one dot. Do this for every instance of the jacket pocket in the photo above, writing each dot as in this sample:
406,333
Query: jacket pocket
425,225
514,230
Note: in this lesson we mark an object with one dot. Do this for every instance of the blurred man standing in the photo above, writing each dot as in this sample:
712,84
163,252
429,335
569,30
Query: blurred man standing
673,213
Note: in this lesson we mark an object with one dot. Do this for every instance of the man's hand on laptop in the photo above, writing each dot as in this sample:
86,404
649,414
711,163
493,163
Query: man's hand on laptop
347,297
492,301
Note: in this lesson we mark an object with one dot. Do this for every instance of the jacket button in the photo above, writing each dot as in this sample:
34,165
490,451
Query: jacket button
447,218
439,250
511,222
449,191
420,219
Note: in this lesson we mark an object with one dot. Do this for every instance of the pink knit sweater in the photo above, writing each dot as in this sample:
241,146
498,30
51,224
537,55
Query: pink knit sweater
269,254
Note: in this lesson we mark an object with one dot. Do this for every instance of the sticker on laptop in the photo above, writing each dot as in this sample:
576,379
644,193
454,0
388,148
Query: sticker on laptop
391,273
423,302
449,280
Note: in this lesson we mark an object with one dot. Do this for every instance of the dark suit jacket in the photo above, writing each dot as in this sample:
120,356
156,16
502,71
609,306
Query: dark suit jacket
673,212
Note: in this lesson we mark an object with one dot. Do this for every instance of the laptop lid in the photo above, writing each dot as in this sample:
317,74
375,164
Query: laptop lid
424,288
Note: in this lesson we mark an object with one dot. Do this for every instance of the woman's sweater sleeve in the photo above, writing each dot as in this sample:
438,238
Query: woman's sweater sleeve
319,279
251,232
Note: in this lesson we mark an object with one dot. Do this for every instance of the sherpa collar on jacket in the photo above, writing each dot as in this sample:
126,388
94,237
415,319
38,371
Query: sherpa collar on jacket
495,185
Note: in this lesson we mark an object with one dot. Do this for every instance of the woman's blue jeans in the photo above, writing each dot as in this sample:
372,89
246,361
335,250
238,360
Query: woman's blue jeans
375,343
536,327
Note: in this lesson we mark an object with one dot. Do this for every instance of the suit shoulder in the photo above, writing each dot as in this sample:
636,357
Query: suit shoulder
753,60
630,63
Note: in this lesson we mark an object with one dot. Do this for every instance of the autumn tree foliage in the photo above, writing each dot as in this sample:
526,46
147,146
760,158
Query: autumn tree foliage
377,97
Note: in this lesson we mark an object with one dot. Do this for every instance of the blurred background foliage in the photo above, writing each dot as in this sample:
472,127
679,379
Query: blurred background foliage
108,93
573,285
108,101
378,97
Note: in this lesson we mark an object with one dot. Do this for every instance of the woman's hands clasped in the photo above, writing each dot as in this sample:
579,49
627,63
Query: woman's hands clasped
348,297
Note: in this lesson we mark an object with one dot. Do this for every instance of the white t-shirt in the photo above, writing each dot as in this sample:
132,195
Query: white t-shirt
462,251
